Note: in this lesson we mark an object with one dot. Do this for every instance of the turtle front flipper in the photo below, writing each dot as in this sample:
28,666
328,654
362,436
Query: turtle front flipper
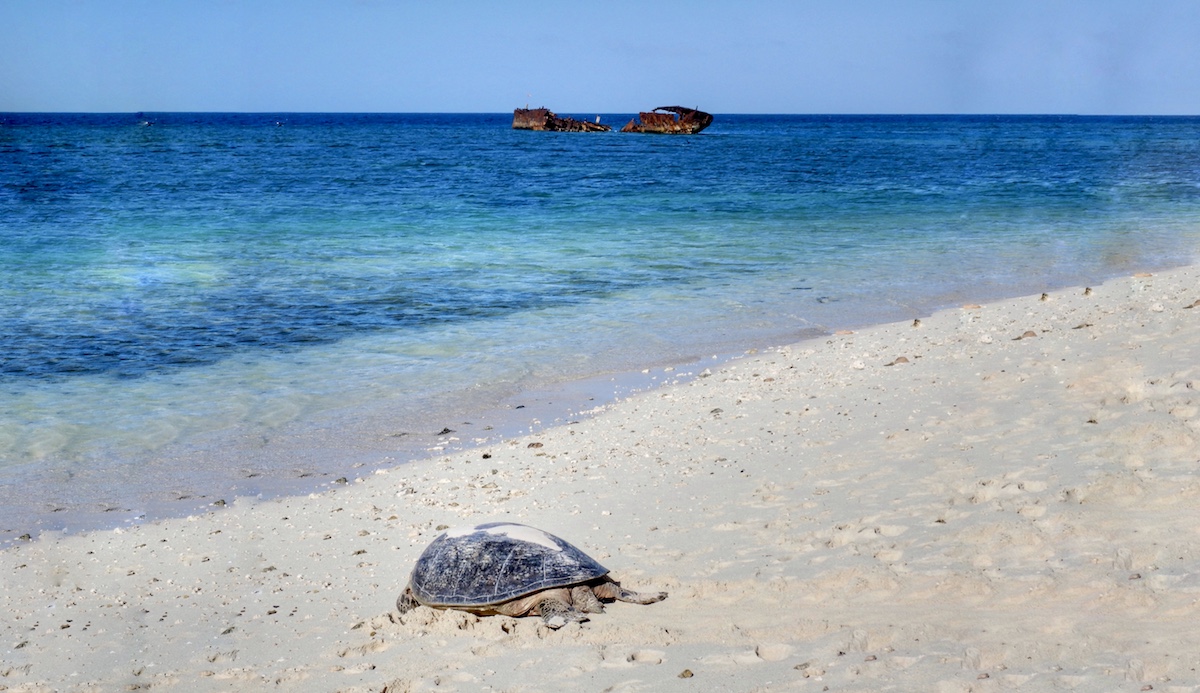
406,602
556,613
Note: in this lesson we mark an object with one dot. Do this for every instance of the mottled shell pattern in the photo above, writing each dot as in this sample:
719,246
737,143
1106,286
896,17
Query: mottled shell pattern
495,562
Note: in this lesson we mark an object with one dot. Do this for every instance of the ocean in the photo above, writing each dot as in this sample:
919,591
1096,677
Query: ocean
202,306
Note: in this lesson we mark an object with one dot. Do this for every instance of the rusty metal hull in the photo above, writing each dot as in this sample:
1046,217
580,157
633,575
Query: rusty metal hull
547,120
670,120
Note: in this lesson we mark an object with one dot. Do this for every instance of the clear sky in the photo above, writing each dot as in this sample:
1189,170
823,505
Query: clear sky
602,56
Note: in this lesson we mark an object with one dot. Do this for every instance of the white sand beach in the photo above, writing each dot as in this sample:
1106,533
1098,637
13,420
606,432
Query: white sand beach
998,497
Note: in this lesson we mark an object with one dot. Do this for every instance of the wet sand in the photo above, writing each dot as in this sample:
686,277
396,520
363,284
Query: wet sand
996,497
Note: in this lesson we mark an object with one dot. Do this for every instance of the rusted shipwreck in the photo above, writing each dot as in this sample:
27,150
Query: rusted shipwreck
545,119
670,120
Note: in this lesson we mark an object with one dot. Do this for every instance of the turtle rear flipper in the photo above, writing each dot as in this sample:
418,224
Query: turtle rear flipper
585,600
624,595
613,590
556,613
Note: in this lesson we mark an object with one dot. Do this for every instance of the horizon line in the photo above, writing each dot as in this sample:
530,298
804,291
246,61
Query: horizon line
730,113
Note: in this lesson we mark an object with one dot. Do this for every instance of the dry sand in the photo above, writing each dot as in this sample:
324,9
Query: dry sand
949,506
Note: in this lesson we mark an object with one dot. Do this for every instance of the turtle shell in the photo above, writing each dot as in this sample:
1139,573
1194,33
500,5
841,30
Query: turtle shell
495,562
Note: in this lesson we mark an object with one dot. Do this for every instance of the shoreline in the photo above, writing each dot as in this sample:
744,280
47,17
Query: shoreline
519,414
992,497
299,459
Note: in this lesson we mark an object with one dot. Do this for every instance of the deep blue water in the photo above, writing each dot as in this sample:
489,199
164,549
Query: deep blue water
171,276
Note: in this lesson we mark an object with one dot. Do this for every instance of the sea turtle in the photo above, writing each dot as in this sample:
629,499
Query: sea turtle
514,570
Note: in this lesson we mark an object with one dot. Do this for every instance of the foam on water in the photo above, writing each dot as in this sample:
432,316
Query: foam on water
215,306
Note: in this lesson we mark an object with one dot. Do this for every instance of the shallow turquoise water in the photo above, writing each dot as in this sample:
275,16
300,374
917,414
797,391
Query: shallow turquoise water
192,301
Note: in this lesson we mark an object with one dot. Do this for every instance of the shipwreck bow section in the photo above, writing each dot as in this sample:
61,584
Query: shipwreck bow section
670,120
547,120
